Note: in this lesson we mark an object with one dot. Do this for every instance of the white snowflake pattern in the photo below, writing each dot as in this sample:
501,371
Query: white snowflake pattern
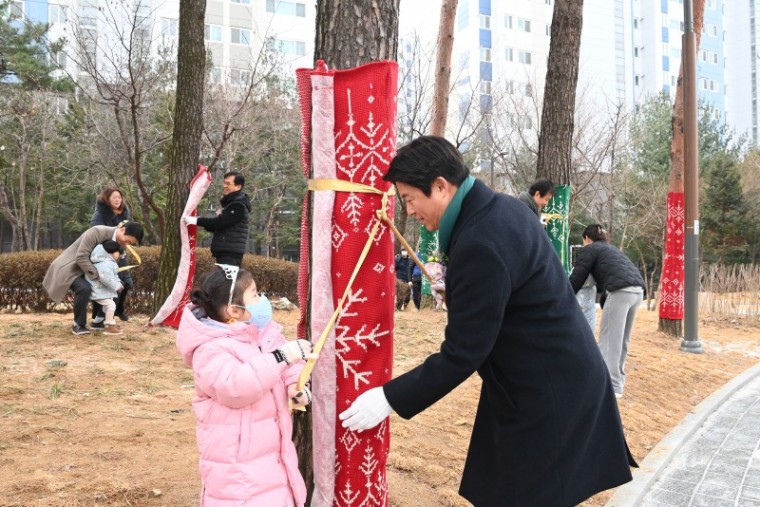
362,338
353,153
352,209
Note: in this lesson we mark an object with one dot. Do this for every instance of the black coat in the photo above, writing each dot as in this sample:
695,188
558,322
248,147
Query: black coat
547,430
230,227
104,215
610,267
404,267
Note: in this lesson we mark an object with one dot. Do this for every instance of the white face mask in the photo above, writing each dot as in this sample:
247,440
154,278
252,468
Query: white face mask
261,312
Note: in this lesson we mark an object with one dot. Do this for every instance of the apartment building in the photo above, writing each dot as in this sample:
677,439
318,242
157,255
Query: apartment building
235,31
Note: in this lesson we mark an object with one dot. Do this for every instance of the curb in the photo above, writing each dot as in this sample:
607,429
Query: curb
632,493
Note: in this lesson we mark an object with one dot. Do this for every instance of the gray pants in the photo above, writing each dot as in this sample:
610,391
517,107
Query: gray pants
615,332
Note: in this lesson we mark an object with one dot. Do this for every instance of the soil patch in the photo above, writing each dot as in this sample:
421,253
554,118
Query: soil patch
98,420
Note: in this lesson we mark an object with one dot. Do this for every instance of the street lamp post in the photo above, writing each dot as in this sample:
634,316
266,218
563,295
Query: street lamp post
690,341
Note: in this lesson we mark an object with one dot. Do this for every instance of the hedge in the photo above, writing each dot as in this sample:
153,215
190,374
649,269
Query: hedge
21,276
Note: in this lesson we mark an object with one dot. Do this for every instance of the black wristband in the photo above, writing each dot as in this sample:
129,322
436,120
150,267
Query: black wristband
279,356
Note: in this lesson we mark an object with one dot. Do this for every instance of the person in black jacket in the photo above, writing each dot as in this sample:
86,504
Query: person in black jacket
538,195
403,264
547,430
112,210
622,289
230,225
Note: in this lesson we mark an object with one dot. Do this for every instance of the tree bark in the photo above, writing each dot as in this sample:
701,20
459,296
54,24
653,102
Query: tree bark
354,32
558,116
443,68
186,139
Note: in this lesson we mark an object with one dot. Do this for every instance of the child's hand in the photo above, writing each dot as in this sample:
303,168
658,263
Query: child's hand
297,350
299,398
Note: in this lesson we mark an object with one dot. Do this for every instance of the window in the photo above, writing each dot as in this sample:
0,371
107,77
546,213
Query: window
485,87
290,47
485,54
16,10
526,89
287,8
215,75
169,27
702,55
247,2
59,59
240,36
548,29
213,33
509,87
524,57
508,21
509,54
240,77
88,17
523,25
58,14
485,22
548,2
714,57
711,4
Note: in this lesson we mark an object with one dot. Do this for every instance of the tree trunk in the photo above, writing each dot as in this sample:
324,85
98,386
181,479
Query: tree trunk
557,118
443,68
186,138
670,326
348,34
354,32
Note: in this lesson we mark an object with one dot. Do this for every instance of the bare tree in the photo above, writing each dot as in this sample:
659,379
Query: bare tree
443,67
186,139
672,326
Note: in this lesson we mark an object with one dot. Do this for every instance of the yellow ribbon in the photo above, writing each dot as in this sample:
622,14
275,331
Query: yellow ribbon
382,216
133,252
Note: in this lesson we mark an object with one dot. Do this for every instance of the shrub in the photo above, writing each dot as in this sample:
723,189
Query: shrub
21,276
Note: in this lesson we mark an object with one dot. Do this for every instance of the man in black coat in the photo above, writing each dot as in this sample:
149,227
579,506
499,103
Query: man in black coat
547,430
230,225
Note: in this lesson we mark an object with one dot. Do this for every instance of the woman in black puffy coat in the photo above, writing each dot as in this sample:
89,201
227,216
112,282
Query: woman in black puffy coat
620,281
111,210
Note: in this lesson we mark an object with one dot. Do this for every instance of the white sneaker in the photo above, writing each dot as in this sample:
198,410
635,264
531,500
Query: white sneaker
618,395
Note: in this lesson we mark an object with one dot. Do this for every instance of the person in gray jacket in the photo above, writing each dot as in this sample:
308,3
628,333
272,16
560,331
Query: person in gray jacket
622,288
106,288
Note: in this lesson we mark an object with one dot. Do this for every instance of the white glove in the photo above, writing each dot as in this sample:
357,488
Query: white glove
190,220
297,350
367,411
299,398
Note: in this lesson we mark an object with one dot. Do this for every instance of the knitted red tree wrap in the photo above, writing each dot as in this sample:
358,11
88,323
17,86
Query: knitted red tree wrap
348,133
671,296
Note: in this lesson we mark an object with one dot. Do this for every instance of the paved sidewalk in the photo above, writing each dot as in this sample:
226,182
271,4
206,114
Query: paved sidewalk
711,459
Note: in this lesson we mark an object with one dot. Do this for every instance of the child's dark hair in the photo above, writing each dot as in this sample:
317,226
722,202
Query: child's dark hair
214,292
111,246
595,232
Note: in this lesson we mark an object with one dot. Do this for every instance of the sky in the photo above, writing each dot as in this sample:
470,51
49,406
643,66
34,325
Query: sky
419,15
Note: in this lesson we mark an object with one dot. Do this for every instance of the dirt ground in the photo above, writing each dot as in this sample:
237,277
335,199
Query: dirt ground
94,420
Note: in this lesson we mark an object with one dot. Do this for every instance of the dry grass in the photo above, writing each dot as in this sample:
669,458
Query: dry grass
95,420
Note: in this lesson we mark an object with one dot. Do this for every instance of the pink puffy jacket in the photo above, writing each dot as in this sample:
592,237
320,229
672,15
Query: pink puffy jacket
244,431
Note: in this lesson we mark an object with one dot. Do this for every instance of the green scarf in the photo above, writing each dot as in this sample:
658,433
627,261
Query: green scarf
449,218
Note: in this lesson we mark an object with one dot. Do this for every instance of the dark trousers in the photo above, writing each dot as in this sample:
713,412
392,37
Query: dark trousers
231,259
82,290
417,291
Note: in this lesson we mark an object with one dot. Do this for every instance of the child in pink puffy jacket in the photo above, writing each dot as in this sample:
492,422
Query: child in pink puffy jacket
244,373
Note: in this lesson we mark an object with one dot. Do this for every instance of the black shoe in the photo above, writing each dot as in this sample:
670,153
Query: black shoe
122,316
97,325
77,329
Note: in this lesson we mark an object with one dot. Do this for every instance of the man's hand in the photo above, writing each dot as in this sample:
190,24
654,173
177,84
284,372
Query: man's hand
190,220
367,411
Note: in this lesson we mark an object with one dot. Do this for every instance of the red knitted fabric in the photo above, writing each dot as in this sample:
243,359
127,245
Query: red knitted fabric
671,296
365,138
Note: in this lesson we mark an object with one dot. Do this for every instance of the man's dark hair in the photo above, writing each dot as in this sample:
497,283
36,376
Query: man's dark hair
595,232
420,162
542,186
110,246
239,178
135,230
